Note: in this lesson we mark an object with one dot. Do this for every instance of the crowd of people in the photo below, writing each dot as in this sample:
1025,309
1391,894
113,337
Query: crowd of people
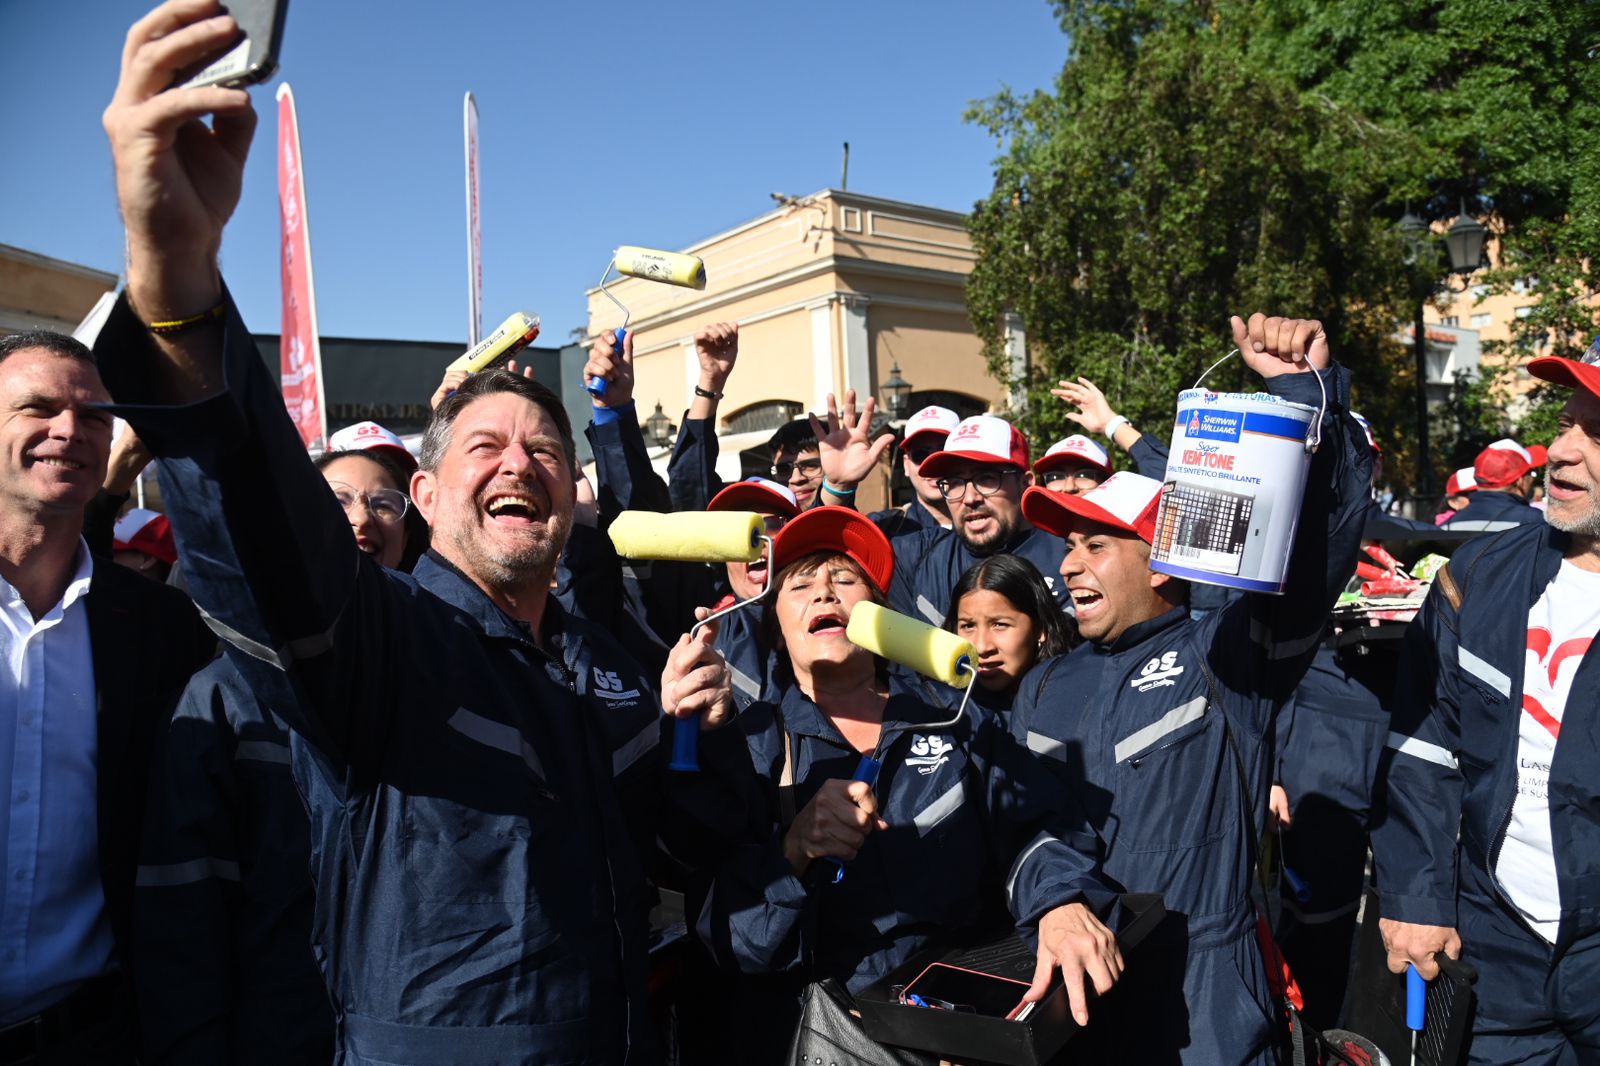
363,758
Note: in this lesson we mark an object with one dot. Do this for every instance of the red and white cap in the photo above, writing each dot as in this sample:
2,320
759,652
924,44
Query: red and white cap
979,439
1577,373
838,529
1125,501
931,419
1503,462
1075,449
365,435
145,531
1461,482
756,494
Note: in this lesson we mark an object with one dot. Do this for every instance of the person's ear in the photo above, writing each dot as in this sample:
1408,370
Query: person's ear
423,494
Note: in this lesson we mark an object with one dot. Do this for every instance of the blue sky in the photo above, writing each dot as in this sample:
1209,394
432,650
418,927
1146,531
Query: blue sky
601,124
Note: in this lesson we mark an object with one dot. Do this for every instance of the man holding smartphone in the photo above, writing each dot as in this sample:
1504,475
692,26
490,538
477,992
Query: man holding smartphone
479,766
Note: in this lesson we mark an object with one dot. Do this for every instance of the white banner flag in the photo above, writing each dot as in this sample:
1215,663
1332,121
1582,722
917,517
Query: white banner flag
474,229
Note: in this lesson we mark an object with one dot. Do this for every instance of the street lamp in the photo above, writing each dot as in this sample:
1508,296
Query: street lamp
1464,240
896,394
658,427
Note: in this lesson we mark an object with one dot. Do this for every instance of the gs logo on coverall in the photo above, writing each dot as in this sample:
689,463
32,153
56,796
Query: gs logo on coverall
1157,673
609,686
929,753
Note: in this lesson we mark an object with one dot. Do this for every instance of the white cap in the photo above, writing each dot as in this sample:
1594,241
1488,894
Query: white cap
931,419
364,435
981,438
1076,448
756,494
1461,482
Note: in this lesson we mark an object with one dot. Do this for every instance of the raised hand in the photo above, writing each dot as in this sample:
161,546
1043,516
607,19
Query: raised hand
1093,413
1273,346
616,367
717,348
846,447
178,180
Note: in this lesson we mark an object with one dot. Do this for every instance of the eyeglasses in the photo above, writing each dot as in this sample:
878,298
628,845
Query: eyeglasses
1089,477
810,469
987,483
386,505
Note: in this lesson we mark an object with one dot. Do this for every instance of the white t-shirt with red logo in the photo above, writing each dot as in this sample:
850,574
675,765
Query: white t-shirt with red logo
1561,626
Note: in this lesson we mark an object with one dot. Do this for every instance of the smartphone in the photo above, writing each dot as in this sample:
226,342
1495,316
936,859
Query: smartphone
972,991
253,57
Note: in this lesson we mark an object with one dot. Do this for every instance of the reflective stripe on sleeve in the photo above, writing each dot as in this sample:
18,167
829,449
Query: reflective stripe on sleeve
1049,747
1484,671
1421,749
929,611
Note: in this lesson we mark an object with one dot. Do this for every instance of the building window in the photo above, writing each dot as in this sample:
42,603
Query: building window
1480,321
769,414
1450,320
1524,312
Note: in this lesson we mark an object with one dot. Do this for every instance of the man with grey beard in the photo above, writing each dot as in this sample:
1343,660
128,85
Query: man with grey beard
1490,848
481,769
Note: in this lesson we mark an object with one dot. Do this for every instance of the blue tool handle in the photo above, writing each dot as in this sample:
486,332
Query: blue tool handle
685,740
866,770
1302,891
597,384
1416,999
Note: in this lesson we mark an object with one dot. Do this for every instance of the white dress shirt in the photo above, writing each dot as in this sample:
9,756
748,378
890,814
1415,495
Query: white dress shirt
54,930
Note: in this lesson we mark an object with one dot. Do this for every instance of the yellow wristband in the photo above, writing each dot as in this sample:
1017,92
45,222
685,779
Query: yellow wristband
178,325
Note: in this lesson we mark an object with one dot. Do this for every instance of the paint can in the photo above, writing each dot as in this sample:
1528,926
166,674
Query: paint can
1230,500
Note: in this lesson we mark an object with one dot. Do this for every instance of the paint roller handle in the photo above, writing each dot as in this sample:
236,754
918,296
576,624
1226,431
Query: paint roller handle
1297,884
867,771
597,384
686,745
1416,999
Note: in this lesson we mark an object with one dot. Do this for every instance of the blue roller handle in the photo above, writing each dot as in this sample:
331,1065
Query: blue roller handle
1302,891
1416,999
597,387
866,770
685,738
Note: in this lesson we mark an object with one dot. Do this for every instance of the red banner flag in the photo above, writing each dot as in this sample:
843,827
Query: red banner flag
299,351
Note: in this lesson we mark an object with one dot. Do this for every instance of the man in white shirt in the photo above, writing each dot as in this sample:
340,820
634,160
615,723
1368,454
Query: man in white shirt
1490,848
64,887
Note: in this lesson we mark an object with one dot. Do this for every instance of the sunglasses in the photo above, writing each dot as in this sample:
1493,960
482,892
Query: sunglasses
810,469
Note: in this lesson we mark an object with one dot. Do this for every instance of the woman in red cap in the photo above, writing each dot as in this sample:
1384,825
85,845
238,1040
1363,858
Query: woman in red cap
957,826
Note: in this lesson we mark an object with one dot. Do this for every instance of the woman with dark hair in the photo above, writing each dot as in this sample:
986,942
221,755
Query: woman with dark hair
958,825
1004,608
373,489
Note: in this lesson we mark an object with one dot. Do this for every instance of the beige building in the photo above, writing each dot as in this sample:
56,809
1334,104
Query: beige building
1488,318
831,291
38,292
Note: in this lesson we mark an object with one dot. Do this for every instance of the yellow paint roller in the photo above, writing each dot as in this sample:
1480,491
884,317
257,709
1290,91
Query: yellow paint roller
512,335
693,537
650,264
934,653
690,536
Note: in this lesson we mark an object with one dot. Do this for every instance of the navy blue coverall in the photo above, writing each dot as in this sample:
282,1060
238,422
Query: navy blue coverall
222,908
975,825
478,799
1448,786
1490,511
1164,735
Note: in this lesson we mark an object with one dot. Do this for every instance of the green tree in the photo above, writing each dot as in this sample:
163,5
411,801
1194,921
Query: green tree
1198,158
